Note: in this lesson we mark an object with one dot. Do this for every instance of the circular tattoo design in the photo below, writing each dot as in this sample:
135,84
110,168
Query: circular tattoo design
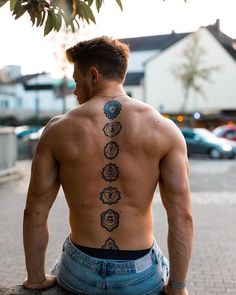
112,129
110,195
110,172
110,245
112,109
111,150
110,220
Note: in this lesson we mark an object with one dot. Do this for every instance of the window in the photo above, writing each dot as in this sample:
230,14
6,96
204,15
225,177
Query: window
18,102
230,134
4,104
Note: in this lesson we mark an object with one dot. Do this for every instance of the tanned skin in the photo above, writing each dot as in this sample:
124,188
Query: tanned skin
71,153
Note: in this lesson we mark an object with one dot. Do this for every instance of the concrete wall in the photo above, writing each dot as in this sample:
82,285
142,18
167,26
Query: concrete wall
8,150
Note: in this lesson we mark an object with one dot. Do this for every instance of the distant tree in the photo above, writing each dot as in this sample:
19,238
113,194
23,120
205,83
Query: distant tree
192,69
52,13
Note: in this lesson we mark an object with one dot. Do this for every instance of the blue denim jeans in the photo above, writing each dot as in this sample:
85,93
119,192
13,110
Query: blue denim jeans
80,273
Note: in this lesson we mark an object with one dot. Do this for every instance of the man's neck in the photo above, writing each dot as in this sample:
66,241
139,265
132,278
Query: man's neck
109,89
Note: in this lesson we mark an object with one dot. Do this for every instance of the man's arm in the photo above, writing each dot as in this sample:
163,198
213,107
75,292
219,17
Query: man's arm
43,189
175,194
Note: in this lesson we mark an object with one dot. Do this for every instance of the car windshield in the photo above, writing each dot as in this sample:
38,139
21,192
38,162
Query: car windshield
217,131
204,133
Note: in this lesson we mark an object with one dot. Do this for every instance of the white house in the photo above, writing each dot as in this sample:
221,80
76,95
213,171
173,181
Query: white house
32,95
158,85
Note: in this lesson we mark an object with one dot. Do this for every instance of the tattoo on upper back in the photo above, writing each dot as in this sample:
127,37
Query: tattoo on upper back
110,219
111,150
112,109
112,129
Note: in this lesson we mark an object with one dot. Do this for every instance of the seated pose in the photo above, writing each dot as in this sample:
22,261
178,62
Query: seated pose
109,154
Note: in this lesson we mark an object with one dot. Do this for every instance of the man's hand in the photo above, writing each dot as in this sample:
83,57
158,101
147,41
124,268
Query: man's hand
171,291
49,281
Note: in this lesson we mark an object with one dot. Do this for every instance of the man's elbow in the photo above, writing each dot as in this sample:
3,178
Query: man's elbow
185,218
34,217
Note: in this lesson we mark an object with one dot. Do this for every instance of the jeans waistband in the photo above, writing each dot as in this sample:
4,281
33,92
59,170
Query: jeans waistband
113,266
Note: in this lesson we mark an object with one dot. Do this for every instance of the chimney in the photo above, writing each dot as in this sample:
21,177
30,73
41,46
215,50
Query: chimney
217,25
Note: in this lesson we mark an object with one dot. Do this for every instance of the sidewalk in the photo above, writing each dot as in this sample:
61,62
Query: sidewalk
213,265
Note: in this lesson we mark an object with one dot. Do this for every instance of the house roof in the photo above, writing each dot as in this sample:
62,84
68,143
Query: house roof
159,42
133,79
162,42
25,78
223,39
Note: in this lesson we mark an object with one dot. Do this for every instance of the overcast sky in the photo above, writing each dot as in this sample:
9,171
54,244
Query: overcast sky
25,45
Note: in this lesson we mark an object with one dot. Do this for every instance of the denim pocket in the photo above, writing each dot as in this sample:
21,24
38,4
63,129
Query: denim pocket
63,284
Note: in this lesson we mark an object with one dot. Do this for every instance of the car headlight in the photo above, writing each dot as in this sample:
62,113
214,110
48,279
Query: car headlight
227,147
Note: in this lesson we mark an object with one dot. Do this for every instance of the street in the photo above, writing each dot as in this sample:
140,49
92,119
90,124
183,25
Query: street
213,267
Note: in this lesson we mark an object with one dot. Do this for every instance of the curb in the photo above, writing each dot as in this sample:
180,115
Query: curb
15,175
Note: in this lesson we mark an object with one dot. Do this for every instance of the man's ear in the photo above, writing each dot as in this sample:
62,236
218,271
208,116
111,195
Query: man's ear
94,75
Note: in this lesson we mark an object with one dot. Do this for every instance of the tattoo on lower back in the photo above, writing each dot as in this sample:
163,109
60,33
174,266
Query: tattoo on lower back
110,172
110,220
111,150
112,129
110,245
110,195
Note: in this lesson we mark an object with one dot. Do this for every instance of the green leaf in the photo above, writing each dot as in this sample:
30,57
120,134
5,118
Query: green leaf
120,4
49,24
66,18
85,11
17,7
12,4
90,2
58,21
20,12
99,4
2,2
43,18
72,26
39,18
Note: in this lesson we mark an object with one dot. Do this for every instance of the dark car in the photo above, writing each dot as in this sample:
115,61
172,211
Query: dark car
226,131
203,142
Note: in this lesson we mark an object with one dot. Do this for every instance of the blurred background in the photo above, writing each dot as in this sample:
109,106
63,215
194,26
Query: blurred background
183,63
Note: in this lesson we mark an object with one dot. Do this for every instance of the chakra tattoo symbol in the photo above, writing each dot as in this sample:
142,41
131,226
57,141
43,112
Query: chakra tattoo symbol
110,220
110,245
110,195
112,129
110,172
112,109
111,150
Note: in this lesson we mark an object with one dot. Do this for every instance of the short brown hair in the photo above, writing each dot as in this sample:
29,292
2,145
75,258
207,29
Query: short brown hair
109,55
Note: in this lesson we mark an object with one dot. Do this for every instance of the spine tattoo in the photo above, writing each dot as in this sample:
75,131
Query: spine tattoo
110,195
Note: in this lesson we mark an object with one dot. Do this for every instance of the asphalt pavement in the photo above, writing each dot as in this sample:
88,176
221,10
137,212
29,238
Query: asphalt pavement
213,266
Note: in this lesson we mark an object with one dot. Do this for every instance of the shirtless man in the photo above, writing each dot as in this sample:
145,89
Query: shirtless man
109,154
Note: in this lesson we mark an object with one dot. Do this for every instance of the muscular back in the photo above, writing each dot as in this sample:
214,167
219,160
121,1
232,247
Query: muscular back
108,160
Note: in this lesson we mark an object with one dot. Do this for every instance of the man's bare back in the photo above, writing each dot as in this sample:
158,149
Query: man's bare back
109,154
141,143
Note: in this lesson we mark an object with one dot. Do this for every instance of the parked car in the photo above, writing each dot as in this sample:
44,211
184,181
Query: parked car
33,139
203,142
226,131
23,131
